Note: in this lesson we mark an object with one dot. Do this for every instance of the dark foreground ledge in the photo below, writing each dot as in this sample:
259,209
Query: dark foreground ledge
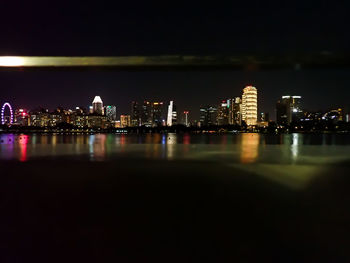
170,211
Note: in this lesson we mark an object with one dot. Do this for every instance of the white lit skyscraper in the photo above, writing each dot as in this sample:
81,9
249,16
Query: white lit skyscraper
172,115
250,105
97,105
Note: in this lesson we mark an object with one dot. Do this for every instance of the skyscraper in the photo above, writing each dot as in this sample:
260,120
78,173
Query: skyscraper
186,121
250,105
288,110
157,114
146,114
235,111
223,112
97,105
111,113
172,114
135,114
208,115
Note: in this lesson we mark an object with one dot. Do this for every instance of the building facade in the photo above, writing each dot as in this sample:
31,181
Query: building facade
135,114
125,121
235,111
223,110
146,114
111,113
207,115
250,105
157,114
288,110
172,114
97,105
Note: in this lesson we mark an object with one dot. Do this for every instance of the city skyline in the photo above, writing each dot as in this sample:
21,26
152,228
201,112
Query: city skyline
198,89
238,111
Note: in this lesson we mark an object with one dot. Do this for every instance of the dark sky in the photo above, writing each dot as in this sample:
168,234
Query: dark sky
258,28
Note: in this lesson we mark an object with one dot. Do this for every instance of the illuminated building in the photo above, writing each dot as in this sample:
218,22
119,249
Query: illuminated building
223,109
40,119
235,109
80,120
250,105
207,115
334,115
58,116
146,115
111,113
97,105
78,117
125,121
172,114
96,121
135,114
157,114
288,110
21,117
264,117
187,123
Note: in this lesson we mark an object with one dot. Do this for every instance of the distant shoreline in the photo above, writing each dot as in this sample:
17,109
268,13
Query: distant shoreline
151,131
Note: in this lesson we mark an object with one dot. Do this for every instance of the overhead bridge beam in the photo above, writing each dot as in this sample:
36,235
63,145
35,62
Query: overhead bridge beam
173,62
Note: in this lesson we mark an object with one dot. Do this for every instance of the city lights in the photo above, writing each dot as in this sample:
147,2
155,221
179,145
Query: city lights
227,115
3,121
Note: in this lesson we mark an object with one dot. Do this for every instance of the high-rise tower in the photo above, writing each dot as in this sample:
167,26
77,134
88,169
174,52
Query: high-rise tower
250,105
172,114
111,112
288,109
97,105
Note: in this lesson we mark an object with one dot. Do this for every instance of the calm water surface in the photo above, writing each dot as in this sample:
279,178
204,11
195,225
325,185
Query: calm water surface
243,148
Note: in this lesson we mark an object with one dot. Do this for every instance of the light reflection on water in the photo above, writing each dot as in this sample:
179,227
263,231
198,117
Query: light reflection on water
243,148
249,147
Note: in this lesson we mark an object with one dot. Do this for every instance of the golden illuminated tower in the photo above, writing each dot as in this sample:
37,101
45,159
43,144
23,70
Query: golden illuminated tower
250,105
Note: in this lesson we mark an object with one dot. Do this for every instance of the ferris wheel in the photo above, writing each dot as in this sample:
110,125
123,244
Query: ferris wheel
3,120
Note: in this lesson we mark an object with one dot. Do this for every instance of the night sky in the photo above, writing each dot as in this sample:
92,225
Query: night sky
258,28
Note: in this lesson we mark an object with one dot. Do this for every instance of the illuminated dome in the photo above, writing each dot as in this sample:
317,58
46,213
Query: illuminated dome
97,99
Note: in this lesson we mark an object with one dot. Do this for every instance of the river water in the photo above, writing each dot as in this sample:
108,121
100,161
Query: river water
226,196
245,148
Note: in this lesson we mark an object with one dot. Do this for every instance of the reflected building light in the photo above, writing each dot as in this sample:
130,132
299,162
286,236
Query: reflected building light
249,147
186,142
34,140
295,146
54,140
91,146
122,139
99,147
23,141
7,146
164,139
186,139
171,141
